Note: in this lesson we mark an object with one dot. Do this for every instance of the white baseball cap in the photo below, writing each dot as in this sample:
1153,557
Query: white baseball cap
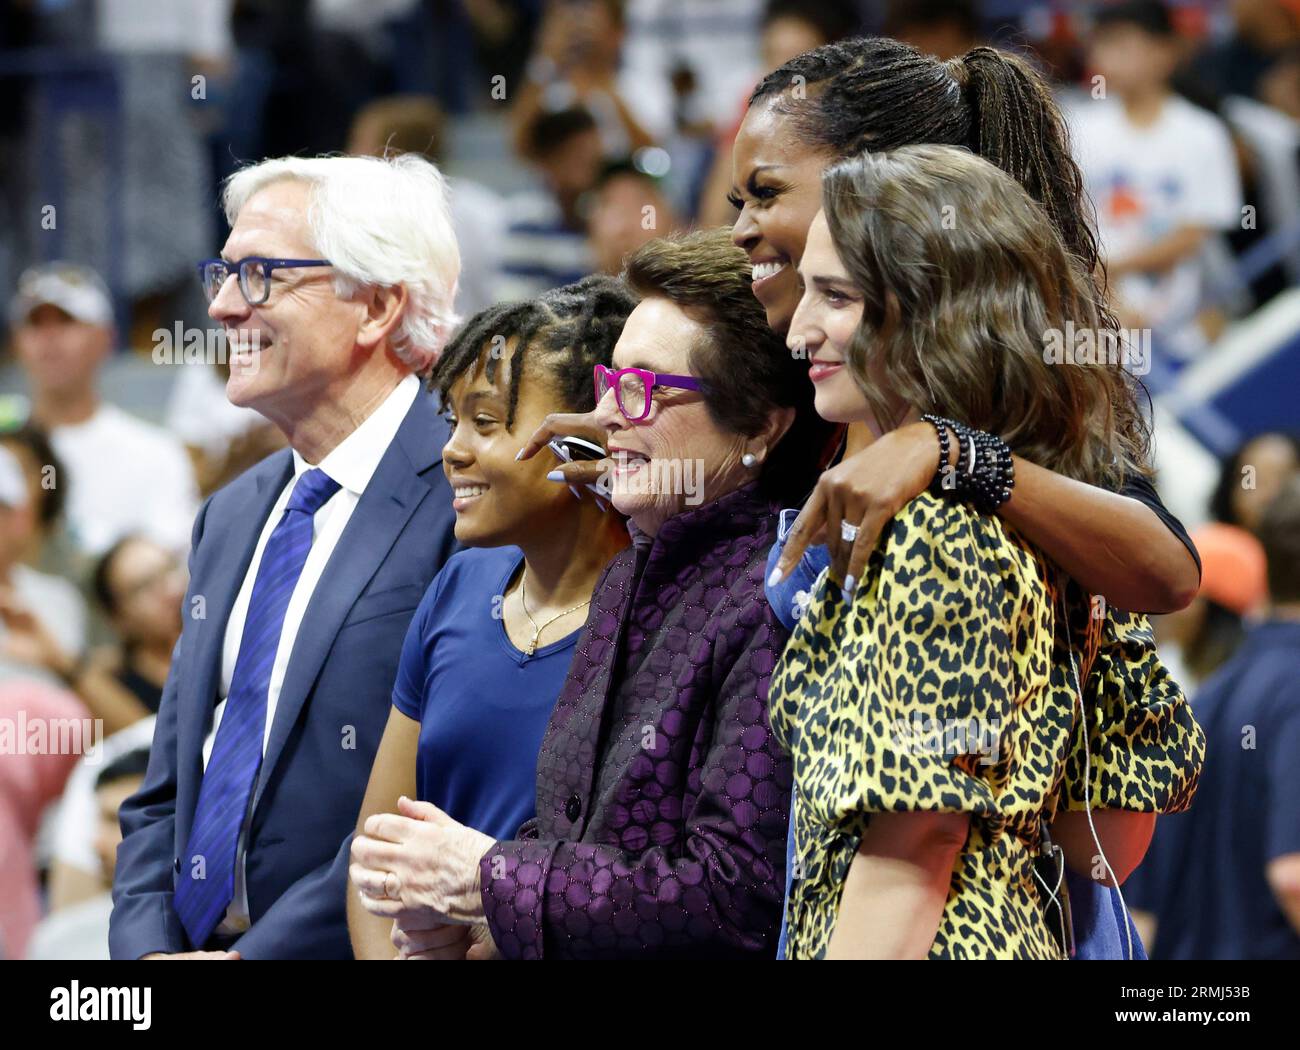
76,290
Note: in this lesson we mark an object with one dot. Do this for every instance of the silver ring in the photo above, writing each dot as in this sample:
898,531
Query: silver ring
848,532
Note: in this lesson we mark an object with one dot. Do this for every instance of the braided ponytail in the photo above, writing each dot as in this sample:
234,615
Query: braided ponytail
878,94
1017,125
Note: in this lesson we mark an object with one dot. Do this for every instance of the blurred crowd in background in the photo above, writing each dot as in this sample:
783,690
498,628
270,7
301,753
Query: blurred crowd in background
572,131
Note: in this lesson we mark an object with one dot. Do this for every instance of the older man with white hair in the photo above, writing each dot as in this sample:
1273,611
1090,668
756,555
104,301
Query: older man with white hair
335,289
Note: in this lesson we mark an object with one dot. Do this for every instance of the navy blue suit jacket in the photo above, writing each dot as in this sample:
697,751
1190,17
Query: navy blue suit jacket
328,720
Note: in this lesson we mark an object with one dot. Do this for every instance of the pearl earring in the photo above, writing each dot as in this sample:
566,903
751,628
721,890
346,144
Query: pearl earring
749,459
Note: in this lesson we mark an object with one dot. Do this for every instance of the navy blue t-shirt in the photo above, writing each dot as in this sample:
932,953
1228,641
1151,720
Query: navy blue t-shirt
482,704
1204,876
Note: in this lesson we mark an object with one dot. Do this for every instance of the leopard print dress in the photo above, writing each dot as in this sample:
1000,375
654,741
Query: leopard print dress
947,684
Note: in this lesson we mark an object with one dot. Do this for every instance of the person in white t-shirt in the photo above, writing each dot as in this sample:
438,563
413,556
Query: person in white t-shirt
124,475
1163,173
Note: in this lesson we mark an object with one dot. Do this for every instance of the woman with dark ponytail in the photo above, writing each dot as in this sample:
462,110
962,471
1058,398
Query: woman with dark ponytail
875,94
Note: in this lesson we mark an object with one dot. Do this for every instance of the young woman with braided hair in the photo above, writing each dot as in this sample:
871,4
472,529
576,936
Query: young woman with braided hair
487,652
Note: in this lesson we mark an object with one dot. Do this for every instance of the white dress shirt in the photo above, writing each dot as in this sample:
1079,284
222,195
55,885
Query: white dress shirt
352,463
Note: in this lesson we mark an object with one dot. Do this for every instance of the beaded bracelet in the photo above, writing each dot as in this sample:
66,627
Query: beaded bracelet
984,475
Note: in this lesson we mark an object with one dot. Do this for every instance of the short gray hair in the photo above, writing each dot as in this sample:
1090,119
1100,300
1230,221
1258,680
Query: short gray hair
381,221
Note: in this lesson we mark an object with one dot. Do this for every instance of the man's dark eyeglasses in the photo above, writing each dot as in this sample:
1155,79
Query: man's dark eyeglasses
254,275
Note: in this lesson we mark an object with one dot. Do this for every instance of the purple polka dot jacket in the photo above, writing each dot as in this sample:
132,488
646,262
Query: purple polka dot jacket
662,796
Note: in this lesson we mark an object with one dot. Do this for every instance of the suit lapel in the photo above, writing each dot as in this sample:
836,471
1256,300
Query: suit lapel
226,566
394,492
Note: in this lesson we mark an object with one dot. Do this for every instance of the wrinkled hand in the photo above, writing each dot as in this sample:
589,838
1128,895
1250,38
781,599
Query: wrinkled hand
442,942
447,943
419,867
865,489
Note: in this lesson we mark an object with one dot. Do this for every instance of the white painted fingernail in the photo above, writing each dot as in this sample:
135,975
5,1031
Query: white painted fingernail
774,577
850,584
555,475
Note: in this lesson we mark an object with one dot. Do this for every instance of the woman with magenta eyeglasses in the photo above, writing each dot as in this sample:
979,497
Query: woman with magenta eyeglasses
662,797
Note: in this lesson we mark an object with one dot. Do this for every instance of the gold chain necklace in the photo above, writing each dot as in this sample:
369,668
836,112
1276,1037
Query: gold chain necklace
523,601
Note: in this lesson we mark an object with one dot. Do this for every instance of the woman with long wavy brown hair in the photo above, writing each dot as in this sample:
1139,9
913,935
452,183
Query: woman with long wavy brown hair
935,709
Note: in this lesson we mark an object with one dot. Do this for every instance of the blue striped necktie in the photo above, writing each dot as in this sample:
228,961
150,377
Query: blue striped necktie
206,884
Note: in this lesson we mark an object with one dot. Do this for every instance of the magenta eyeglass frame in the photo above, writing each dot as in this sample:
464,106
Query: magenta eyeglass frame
609,378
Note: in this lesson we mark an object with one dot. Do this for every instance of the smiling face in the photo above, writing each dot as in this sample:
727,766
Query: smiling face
824,324
678,437
776,182
299,347
497,500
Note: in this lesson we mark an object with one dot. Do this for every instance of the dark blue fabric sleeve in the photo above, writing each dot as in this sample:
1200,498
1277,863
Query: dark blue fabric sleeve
408,689
1099,921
